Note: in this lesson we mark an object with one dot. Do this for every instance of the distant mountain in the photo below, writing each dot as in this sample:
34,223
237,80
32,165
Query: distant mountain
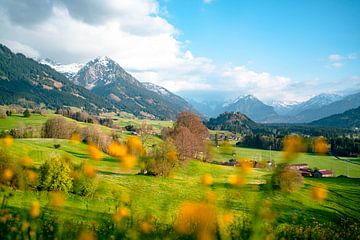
209,108
232,121
348,119
108,79
252,107
69,70
282,107
315,103
23,79
340,106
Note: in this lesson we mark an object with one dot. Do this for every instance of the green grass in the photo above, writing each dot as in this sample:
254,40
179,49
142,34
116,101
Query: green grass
315,161
162,196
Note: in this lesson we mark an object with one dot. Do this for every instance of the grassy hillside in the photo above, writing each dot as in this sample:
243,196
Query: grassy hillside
159,198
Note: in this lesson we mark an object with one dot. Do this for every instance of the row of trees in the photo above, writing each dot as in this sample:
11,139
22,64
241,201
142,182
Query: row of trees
340,145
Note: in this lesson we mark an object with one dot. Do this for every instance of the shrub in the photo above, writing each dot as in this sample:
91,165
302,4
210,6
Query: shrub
27,113
84,184
59,127
162,160
54,174
2,113
290,180
93,134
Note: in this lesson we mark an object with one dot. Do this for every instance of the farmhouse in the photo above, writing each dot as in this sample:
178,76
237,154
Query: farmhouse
298,166
323,173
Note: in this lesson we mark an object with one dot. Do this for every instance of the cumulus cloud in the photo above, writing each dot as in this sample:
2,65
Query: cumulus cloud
337,61
136,34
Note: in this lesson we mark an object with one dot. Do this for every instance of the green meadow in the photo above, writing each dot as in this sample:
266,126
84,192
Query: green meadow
295,214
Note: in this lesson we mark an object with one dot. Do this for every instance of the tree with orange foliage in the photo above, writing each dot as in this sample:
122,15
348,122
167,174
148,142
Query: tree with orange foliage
189,136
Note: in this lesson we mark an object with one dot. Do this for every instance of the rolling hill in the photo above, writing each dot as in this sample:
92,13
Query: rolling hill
348,119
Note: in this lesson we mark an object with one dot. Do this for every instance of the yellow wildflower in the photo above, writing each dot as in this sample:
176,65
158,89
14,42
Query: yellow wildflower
319,193
228,218
120,214
197,218
146,227
292,146
75,138
8,174
207,179
89,170
8,141
57,199
128,161
135,144
95,152
117,150
35,209
236,180
26,161
320,145
87,235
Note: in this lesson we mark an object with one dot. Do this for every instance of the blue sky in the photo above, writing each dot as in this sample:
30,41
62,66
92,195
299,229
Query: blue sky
274,49
291,38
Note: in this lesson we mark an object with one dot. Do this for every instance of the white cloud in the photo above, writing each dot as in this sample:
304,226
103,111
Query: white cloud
336,65
18,47
335,58
207,1
337,61
140,39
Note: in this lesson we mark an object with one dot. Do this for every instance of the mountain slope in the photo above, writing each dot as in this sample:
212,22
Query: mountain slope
24,78
348,119
106,78
340,106
252,107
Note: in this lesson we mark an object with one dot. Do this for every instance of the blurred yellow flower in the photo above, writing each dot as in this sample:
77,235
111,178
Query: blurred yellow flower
121,213
292,146
95,152
128,161
35,209
172,155
117,150
8,174
57,199
320,145
135,144
207,179
125,198
75,138
87,235
236,180
211,196
228,218
26,161
146,227
89,170
32,176
197,218
319,193
8,141
245,165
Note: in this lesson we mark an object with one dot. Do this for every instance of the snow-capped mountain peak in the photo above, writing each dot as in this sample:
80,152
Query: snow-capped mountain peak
156,88
69,70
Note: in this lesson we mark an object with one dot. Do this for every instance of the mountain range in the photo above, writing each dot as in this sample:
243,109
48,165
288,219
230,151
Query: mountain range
103,85
315,108
106,78
348,119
